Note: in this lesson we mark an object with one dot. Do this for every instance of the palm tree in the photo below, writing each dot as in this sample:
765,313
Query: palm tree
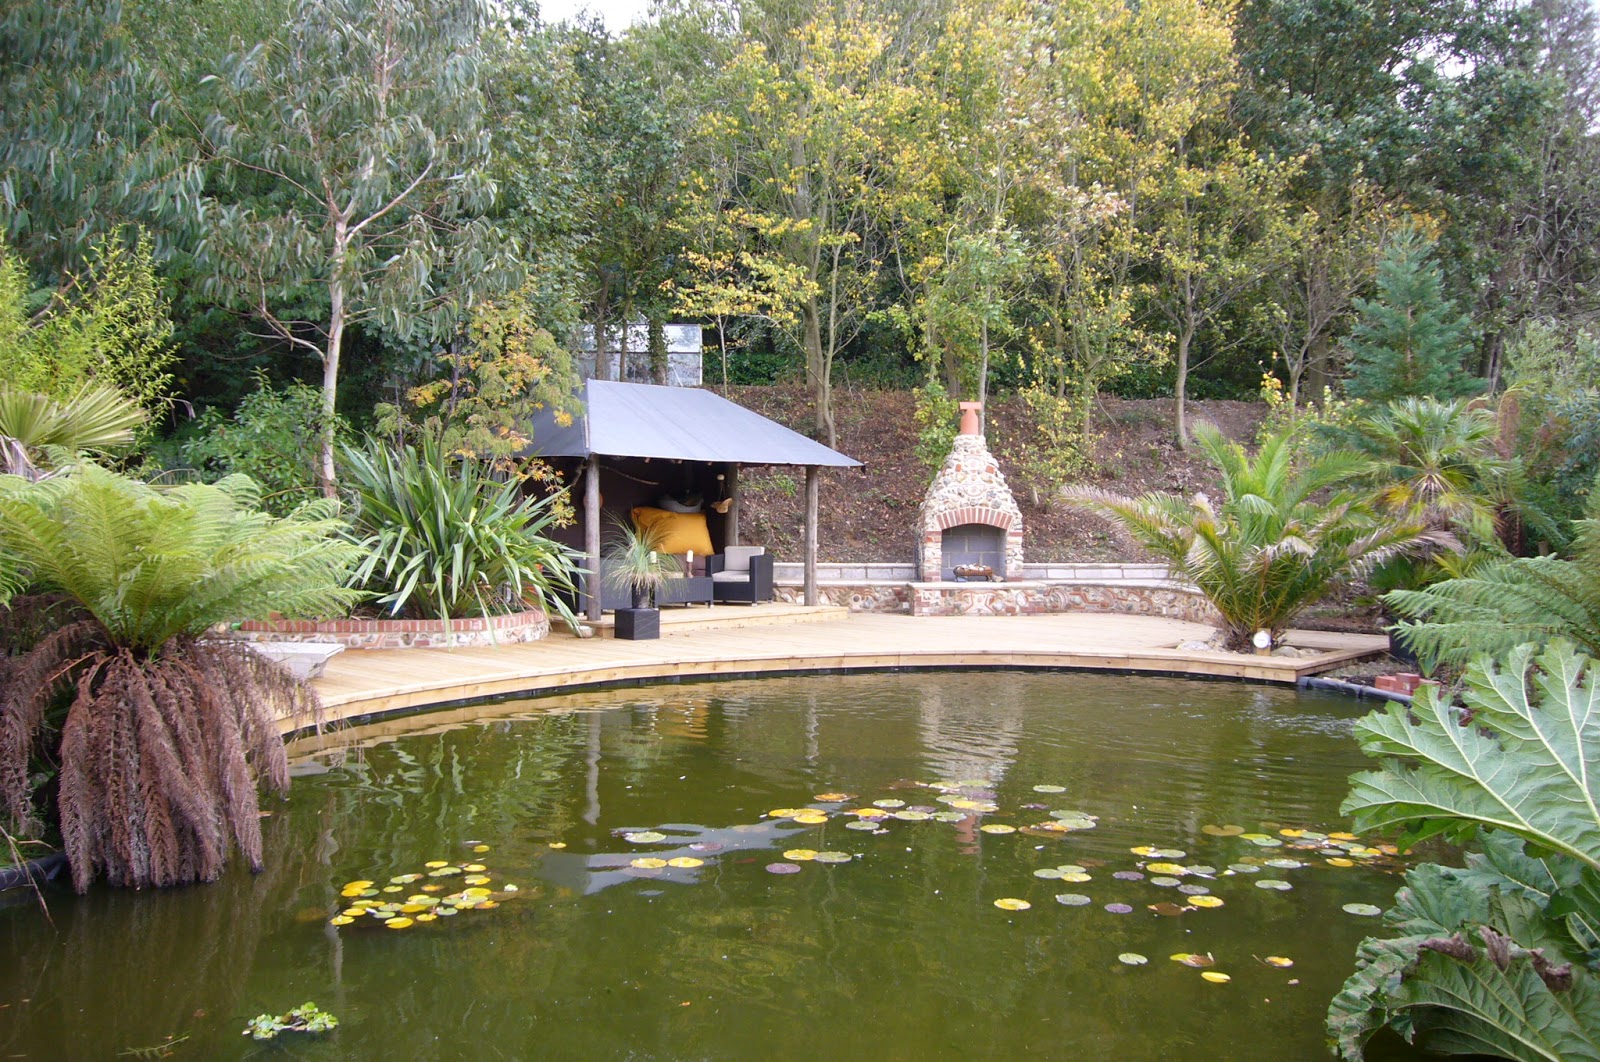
1283,536
98,418
167,734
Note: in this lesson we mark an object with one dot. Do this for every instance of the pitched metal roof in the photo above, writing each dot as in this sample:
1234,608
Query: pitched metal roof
682,423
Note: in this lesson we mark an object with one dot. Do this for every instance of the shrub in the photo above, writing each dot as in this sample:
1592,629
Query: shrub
272,438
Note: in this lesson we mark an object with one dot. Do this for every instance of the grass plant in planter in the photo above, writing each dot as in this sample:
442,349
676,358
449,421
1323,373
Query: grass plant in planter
445,538
166,735
636,563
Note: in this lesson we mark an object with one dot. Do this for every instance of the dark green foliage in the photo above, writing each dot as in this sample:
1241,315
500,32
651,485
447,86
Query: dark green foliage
272,438
1409,339
445,539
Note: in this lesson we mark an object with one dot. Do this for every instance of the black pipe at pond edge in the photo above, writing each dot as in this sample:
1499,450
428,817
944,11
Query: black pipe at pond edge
1309,682
33,872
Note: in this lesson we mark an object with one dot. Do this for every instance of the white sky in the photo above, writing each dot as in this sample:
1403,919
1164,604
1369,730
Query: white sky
618,14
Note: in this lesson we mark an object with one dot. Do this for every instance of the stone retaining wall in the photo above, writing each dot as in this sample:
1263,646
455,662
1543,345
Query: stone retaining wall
1010,599
518,627
1111,571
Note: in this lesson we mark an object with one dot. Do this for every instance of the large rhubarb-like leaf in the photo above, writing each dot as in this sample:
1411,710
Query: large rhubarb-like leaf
1526,760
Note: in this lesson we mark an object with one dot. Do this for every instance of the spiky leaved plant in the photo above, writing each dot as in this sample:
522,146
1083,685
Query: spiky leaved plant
1282,536
167,735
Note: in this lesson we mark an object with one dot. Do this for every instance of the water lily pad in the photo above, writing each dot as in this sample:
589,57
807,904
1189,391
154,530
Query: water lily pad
1215,978
810,818
1075,877
1205,901
368,892
831,798
644,837
911,816
434,864
1274,884
351,894
1266,842
340,920
783,868
685,862
891,804
1143,850
782,813
1167,868
480,848
1047,873
1072,899
1366,910
1049,789
1340,861
1288,831
421,898
1285,864
353,912
398,923
1189,958
1011,903
394,888
1279,961
1193,890
404,879
801,855
1229,830
648,863
949,816
358,885
433,888
557,844
1244,868
427,917
447,912
967,804
476,879
1164,881
474,868
1119,908
1084,822
997,827
488,905
834,857
869,813
861,824
1132,958
1343,837
412,908
1071,868
1127,875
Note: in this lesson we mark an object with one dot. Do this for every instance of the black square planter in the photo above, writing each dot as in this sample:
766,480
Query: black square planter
638,624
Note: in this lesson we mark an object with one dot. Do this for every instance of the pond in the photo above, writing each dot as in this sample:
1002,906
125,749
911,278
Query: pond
1120,810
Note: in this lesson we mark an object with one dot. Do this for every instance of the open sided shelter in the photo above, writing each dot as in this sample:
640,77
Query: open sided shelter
633,444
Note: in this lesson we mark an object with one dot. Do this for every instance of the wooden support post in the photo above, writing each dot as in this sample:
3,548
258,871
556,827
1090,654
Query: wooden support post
591,537
730,533
811,535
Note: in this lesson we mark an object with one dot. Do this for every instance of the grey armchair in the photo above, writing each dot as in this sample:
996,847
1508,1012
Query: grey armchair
741,575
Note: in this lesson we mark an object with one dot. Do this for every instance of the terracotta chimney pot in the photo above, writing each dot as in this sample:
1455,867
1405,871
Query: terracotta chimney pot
969,418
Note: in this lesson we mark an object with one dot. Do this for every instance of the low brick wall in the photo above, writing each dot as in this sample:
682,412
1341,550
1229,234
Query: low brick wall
517,627
1011,599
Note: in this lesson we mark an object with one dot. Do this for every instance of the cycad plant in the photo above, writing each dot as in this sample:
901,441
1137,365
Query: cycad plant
167,734
446,539
1283,535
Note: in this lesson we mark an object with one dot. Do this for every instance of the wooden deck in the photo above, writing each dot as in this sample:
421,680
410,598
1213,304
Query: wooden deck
732,640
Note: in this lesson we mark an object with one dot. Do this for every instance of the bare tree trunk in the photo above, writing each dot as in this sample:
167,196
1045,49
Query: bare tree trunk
658,350
1181,391
817,371
330,374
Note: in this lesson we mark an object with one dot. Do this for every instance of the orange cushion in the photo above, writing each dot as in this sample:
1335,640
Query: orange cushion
676,532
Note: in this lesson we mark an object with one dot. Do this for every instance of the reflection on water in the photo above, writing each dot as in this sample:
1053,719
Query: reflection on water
899,953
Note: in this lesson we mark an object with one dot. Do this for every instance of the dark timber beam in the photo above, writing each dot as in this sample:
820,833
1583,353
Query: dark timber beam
811,535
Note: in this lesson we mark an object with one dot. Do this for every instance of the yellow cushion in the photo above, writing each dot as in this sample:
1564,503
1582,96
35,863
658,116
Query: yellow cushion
676,532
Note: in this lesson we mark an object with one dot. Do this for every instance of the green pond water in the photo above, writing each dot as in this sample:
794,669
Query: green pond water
899,953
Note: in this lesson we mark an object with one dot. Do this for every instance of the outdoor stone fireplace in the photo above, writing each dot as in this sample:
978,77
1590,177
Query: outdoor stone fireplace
968,515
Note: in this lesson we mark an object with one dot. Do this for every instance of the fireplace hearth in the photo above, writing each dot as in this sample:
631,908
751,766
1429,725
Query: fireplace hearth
969,516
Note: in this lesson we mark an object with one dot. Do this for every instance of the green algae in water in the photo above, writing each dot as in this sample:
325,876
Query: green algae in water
900,943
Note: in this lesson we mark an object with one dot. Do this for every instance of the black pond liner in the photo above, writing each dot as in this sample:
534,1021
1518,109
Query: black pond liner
34,871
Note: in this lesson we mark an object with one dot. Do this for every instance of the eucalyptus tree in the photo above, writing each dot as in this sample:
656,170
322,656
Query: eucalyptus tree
353,156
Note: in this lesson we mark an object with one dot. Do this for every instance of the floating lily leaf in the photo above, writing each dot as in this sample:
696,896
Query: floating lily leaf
1366,910
427,917
1071,868
1205,901
1201,870
1169,853
782,813
476,879
474,868
1011,903
966,804
644,837
801,855
480,848
488,905
1167,868
358,885
1285,864
1143,850
1274,884
810,818
434,864
1266,842
1216,978
1049,789
1198,962
558,844
433,888
368,892
834,857
1119,908
1075,877
421,898
1222,831
1193,890
1244,868
340,920
997,827
1254,837
1128,875
444,872
404,879
1164,882
447,912
1076,822
1290,832
1047,872
1313,835
1132,958
972,783
398,923
1339,861
351,894
644,863
1169,910
783,868
1072,899
861,824
1279,961
911,816
353,912
889,804
393,888
832,798
685,862
413,908
1343,837
869,813
949,816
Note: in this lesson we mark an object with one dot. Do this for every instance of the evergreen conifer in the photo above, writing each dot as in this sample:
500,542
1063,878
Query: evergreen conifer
1409,340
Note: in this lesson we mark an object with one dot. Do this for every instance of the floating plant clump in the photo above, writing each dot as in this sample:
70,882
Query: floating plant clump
368,907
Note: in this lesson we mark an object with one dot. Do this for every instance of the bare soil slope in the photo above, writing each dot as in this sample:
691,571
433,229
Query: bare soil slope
870,514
